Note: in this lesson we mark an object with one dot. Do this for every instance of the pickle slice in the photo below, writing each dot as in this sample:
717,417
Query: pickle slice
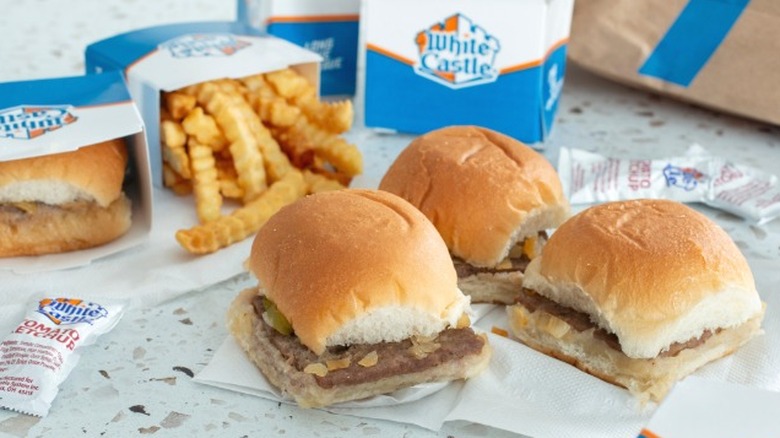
273,317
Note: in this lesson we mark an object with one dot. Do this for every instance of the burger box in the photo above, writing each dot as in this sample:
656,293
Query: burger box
50,116
329,28
169,57
495,63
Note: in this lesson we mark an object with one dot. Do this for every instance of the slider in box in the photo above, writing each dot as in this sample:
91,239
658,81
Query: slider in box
494,63
170,57
44,118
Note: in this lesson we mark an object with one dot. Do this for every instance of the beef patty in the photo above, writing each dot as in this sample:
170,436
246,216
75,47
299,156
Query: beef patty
519,263
581,321
394,358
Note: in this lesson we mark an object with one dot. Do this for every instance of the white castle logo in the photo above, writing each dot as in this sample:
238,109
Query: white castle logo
26,122
63,311
457,53
202,45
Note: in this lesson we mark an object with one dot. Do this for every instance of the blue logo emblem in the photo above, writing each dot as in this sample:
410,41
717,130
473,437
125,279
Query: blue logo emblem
457,53
202,45
27,122
686,178
63,311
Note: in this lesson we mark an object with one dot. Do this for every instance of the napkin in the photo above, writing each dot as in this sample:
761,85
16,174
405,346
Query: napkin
529,393
701,407
146,275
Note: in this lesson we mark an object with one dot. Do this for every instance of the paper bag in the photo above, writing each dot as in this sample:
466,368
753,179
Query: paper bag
720,54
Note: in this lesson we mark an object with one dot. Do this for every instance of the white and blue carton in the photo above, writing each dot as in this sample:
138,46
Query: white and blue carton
494,63
327,27
170,57
50,116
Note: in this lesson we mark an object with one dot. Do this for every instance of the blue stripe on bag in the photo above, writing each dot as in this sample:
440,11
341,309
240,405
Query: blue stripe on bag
692,39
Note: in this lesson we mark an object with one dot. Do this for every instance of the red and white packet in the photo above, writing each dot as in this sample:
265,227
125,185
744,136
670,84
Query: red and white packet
695,177
40,352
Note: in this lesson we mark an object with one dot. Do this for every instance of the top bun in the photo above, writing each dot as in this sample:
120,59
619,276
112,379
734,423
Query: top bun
356,266
482,190
653,272
90,173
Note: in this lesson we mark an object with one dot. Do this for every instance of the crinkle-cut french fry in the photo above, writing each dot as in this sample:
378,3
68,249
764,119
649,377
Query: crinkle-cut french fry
204,129
172,134
345,157
258,91
190,90
178,104
276,162
208,201
303,134
235,123
333,117
272,108
173,151
228,179
289,84
245,220
342,178
316,183
176,182
229,188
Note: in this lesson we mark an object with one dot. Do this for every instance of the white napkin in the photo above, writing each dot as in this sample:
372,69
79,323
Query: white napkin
231,369
526,392
701,407
147,275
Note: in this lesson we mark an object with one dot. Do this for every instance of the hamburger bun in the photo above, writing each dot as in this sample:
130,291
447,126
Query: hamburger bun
655,274
484,192
353,268
63,202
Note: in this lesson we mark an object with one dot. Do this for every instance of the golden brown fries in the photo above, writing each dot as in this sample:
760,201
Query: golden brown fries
335,117
320,183
179,104
244,221
204,129
208,201
264,141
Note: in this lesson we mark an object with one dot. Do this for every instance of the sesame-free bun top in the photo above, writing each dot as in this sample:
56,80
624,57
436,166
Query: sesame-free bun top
90,173
483,190
356,266
653,272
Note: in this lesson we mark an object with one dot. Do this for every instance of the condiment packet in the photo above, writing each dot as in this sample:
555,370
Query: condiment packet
45,346
695,177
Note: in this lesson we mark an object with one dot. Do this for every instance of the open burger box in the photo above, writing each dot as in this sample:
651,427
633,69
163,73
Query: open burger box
329,28
51,116
170,57
497,64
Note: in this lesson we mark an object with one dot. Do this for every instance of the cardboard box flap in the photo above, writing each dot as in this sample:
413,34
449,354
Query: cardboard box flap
59,115
175,56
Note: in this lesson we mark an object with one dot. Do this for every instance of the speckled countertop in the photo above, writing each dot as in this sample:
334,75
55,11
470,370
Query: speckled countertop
137,380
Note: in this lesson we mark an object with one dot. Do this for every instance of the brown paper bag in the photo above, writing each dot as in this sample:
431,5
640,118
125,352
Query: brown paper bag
722,54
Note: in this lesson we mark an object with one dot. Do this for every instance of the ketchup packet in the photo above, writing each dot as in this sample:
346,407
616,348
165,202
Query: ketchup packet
696,177
44,347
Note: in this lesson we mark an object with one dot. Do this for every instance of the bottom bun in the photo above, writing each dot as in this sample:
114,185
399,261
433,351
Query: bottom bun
495,288
45,229
648,379
261,344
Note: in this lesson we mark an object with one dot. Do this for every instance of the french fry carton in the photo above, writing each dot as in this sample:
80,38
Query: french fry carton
329,28
170,57
50,116
494,63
